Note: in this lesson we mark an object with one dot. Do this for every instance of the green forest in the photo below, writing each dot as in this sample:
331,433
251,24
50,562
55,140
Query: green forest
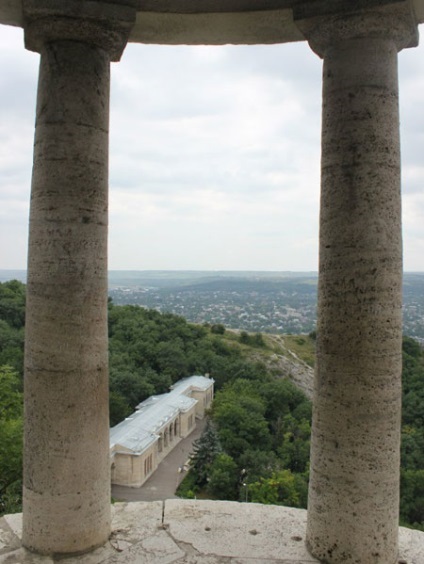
256,444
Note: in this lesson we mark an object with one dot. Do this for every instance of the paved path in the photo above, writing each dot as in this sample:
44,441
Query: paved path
164,482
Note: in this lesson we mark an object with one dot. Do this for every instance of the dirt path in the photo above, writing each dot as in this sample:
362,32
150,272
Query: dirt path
165,480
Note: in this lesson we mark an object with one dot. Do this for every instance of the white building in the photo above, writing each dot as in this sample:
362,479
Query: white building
140,442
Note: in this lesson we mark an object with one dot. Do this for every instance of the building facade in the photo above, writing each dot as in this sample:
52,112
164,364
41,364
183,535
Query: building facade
140,442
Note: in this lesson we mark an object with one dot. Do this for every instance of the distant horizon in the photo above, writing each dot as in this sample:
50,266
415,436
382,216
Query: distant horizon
212,270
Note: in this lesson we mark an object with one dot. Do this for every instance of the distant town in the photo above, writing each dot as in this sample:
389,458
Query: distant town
250,305
269,302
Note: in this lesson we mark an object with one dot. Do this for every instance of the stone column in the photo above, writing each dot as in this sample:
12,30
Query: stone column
354,483
66,506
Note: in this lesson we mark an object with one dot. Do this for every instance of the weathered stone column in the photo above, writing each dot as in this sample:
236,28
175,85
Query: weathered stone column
354,484
66,455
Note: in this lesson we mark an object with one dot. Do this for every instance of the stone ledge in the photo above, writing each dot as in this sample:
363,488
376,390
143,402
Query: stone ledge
197,532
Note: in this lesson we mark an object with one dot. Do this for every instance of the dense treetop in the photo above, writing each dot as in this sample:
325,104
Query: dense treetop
260,423
149,351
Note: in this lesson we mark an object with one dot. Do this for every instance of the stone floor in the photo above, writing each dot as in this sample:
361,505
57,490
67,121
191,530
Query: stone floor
197,532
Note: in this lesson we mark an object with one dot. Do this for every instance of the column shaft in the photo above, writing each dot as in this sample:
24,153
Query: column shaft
66,456
353,496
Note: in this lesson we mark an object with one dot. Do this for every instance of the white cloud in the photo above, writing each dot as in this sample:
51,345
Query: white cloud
214,159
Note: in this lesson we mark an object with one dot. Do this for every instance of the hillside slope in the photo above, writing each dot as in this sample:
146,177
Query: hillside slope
286,356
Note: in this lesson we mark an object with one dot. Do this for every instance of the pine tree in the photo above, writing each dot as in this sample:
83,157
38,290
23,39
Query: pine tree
205,451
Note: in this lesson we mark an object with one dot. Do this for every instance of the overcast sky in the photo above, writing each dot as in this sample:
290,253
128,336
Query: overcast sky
214,156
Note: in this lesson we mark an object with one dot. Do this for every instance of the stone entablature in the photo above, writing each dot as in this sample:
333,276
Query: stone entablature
140,442
214,22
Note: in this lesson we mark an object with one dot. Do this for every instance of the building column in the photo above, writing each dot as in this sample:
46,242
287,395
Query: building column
66,497
353,501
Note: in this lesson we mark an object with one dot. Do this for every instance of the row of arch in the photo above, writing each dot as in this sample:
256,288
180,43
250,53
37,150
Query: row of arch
168,435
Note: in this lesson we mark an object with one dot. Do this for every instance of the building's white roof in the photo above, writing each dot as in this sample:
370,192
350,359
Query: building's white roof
193,382
142,428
